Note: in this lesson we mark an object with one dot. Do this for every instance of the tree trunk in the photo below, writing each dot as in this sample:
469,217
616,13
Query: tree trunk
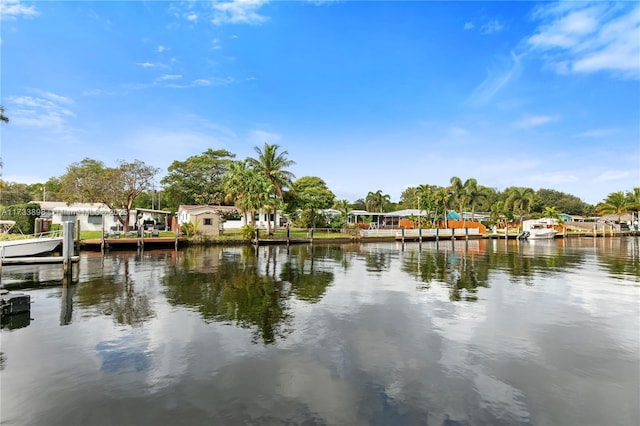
268,222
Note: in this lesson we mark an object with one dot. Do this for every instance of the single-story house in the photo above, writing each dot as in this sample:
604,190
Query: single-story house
92,216
205,218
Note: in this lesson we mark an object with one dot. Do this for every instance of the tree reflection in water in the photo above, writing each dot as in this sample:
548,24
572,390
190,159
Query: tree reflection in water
115,294
308,281
245,288
464,268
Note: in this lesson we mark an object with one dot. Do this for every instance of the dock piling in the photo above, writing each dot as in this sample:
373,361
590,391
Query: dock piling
68,246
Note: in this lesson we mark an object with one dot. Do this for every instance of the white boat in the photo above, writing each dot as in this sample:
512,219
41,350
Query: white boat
539,229
25,246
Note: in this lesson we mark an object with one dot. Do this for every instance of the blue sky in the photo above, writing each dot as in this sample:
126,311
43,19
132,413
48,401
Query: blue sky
366,95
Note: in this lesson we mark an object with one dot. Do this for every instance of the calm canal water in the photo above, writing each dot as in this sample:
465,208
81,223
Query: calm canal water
455,333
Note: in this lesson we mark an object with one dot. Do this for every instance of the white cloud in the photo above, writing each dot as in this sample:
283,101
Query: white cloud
193,17
458,131
12,9
238,12
491,27
496,80
165,77
598,133
161,48
611,175
28,111
535,121
469,26
146,64
202,82
260,137
555,178
53,97
578,37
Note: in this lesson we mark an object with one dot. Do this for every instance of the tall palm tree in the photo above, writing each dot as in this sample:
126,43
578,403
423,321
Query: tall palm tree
273,164
460,196
497,211
442,197
236,186
343,206
370,202
615,203
475,194
633,198
377,201
520,201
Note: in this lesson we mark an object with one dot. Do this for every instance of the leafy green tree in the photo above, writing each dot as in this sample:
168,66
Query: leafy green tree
409,197
116,187
615,203
14,193
565,203
273,164
520,200
47,191
551,212
311,195
198,179
359,204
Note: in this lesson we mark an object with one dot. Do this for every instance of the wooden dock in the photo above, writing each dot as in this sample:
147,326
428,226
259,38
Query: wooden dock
134,242
36,260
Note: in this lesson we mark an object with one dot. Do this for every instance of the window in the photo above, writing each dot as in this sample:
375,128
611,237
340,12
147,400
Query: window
207,221
95,219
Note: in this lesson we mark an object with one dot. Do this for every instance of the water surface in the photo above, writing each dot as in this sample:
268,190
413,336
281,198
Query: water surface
449,333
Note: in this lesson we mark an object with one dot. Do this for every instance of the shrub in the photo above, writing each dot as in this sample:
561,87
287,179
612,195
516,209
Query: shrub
23,214
248,232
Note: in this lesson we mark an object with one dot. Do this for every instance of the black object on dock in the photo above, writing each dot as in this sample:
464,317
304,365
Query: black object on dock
14,303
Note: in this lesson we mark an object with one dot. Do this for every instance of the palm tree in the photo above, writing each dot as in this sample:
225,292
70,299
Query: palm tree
377,201
442,197
382,200
520,201
273,165
425,200
370,202
633,198
615,203
236,187
475,194
344,207
497,211
460,195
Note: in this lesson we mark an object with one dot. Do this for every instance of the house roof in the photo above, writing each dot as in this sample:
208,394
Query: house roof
189,207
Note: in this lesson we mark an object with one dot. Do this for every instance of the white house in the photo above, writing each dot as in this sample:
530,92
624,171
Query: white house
92,216
229,217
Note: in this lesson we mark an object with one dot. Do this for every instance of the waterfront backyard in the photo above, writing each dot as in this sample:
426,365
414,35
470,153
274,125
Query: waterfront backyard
447,333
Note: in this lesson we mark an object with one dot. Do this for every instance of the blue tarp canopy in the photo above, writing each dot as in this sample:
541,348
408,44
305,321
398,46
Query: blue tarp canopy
453,215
